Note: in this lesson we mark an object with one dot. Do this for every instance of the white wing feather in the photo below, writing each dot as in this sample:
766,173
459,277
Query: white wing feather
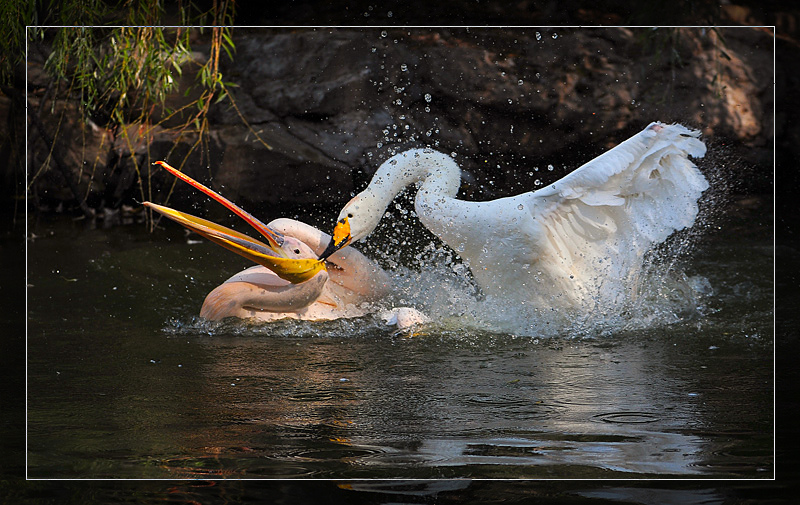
610,211
581,238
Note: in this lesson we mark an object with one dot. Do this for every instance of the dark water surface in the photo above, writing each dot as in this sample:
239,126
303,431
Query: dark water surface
125,382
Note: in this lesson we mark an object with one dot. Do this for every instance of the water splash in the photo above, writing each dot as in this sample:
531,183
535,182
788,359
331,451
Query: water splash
440,285
194,326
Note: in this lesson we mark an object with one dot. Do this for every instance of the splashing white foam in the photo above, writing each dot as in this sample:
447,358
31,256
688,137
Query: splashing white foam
442,288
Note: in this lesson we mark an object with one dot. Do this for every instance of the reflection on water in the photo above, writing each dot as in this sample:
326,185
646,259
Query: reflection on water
125,380
660,496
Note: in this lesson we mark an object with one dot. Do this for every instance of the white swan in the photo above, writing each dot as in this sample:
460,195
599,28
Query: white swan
573,243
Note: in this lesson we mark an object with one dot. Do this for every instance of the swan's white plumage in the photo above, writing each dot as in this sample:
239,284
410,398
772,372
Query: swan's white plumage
572,243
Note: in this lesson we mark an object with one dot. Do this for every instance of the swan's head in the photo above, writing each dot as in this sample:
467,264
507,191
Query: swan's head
356,220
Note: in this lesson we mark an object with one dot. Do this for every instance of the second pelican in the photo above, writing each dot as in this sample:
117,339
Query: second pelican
290,282
344,289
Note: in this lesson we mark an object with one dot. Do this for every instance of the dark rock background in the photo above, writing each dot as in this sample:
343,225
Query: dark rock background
509,102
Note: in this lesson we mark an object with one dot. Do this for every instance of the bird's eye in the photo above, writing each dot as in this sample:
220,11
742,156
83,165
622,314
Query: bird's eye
297,251
350,215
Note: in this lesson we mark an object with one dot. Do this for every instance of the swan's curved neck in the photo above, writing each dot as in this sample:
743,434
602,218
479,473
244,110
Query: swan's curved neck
439,174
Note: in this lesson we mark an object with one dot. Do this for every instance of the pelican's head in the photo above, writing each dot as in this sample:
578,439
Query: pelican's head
291,259
288,257
356,220
296,249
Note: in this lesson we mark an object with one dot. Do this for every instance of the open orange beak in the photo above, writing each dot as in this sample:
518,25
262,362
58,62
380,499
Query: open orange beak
270,255
341,238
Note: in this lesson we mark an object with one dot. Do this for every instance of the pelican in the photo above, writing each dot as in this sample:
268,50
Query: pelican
345,288
289,282
574,243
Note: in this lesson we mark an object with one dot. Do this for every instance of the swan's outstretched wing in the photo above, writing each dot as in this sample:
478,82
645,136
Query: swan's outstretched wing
594,225
583,237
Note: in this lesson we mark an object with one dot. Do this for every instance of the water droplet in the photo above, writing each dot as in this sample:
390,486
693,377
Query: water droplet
374,49
384,34
550,167
520,82
521,207
537,182
428,97
538,36
403,67
555,35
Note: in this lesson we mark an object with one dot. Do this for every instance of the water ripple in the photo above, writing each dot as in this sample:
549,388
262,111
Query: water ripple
626,418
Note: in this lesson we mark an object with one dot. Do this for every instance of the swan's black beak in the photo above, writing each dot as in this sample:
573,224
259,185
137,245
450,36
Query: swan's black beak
341,238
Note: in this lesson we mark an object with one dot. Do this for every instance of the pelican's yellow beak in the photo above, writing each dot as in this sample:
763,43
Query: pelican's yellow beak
270,255
274,238
341,238
292,270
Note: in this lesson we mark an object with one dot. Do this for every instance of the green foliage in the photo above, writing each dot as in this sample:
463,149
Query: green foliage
112,59
14,16
122,69
119,70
